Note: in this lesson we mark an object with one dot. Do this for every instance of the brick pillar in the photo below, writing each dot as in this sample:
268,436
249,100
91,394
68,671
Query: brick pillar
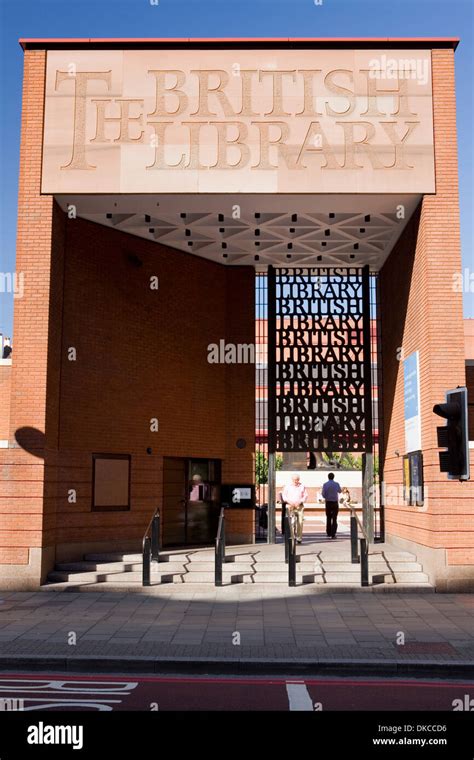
238,465
27,534
421,311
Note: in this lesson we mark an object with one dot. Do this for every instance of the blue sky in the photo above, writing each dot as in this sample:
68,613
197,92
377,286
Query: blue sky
225,18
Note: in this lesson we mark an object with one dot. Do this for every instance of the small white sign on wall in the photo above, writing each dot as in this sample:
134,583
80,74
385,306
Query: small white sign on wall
239,494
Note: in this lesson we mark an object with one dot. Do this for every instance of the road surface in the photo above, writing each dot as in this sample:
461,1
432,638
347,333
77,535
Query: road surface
33,692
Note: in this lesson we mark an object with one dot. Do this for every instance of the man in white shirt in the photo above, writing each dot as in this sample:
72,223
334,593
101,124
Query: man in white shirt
295,496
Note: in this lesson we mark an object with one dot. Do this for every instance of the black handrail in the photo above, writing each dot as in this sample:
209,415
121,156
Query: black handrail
355,559
363,558
220,549
151,547
290,550
364,562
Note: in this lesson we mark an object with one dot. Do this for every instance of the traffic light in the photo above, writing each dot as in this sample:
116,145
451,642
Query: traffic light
454,435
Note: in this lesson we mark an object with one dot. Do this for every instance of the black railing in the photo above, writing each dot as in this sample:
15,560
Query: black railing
261,522
151,547
290,550
220,549
283,516
355,559
363,556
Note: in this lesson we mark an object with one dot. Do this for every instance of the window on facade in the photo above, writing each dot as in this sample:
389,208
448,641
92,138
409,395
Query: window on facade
111,482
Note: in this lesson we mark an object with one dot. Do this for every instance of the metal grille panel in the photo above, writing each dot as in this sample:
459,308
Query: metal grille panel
319,359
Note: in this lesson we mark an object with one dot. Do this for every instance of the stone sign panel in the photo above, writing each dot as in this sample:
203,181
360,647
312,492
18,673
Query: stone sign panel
230,121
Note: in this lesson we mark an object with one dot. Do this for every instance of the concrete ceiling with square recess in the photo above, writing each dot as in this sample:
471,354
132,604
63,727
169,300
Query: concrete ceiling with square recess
259,230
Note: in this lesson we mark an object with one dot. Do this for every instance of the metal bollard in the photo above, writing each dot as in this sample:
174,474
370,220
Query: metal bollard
364,563
146,562
355,559
155,538
286,538
219,554
218,565
292,563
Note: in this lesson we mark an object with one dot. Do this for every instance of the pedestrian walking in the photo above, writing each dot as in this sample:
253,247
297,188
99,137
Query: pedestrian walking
295,496
330,493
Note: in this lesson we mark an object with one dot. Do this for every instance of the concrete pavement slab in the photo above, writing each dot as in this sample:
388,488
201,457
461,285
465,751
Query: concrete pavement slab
347,630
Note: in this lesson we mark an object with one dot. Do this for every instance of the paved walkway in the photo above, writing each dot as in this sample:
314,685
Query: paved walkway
236,627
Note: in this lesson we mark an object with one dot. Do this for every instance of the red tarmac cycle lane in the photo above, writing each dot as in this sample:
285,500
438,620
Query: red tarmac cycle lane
106,693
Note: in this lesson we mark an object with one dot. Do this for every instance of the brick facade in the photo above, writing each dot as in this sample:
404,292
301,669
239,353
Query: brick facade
24,524
5,393
141,354
421,311
469,341
138,351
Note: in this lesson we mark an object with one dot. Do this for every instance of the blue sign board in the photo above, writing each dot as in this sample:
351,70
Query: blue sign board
411,393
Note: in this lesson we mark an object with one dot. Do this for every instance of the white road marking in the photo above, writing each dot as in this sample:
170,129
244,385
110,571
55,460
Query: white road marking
298,696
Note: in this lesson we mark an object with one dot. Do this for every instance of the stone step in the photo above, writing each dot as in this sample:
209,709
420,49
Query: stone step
237,575
273,553
281,577
133,560
129,577
345,556
165,556
128,567
261,565
198,576
176,567
394,556
380,577
316,588
410,567
419,577
321,564
107,567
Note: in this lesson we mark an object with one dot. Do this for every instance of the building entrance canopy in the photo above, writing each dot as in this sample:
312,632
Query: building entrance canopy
256,229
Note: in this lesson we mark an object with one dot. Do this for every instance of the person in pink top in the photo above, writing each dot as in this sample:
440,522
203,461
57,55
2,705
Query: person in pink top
295,496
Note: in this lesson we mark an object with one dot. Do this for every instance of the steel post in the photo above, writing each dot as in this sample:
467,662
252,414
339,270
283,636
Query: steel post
146,562
364,563
354,536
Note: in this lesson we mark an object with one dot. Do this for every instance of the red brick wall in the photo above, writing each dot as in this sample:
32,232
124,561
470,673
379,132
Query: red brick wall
142,354
240,398
469,337
5,391
470,399
422,311
36,320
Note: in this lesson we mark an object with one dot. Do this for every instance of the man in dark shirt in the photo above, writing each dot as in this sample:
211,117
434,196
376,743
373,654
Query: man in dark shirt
330,493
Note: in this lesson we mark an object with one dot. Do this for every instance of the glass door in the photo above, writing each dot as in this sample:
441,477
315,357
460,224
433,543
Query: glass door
203,504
